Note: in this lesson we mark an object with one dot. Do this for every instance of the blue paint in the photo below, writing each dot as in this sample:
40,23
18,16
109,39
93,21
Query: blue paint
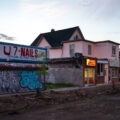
30,80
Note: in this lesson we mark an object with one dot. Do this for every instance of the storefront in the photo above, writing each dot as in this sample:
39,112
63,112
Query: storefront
89,72
114,70
102,71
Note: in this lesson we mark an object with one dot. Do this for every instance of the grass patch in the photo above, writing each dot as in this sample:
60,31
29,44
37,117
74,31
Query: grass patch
58,85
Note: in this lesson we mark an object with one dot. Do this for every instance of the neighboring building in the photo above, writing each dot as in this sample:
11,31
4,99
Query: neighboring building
101,59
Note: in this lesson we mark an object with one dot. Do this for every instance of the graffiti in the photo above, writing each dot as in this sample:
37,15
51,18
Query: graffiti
30,80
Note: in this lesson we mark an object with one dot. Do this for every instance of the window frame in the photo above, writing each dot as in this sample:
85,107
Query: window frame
101,69
89,49
114,73
113,50
48,54
71,50
76,37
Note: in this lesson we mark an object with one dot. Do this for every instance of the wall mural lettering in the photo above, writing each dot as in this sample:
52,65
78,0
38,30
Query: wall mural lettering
30,80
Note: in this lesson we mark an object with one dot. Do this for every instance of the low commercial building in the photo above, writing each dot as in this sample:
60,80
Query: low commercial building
100,60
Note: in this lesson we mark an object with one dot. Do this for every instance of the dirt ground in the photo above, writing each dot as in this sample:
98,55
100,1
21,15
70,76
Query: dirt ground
102,107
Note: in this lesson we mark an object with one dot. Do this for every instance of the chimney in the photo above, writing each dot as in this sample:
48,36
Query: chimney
52,30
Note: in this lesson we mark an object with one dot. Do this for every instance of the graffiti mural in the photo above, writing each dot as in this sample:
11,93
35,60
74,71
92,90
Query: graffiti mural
19,81
30,80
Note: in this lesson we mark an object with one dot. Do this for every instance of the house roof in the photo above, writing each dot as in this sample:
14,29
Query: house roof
94,42
55,38
108,41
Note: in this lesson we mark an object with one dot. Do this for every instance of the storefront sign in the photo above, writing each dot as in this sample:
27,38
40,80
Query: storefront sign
91,62
20,53
102,61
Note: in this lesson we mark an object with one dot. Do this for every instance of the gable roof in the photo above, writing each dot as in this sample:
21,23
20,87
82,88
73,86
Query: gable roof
55,38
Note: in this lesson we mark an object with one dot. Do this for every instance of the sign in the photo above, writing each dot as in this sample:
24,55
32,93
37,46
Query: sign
22,54
114,63
102,61
91,62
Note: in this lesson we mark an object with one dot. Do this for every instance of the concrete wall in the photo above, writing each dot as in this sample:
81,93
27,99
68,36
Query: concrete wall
13,81
65,73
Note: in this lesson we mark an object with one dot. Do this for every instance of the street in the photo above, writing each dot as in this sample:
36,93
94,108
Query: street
101,107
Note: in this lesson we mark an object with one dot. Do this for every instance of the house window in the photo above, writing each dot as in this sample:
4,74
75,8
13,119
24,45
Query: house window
76,37
100,69
113,50
72,48
114,72
89,49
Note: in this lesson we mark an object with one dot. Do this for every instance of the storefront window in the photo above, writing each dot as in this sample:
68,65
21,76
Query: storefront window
114,72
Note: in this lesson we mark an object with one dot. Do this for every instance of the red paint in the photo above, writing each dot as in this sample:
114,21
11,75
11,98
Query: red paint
15,50
23,52
31,53
7,52
27,52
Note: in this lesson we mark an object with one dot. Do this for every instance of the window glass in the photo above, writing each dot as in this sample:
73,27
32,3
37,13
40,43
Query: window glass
114,72
89,49
72,48
113,50
100,68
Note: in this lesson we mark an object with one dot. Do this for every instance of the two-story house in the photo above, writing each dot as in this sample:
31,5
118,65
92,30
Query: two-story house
101,59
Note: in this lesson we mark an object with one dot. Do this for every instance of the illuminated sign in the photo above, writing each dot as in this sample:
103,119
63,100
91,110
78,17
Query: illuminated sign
90,62
21,53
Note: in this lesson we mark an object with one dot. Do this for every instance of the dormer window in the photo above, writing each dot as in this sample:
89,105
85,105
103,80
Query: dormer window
76,37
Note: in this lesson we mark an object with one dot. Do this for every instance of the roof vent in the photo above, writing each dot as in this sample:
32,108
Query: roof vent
52,30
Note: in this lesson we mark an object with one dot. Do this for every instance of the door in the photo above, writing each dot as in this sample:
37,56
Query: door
89,76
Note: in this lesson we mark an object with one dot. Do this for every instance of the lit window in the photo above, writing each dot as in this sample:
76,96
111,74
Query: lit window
89,49
72,48
113,50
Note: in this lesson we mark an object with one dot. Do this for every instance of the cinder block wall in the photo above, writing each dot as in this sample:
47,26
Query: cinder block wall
65,73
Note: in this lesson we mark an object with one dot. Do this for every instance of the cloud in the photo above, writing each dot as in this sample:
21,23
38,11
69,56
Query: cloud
85,3
5,37
47,8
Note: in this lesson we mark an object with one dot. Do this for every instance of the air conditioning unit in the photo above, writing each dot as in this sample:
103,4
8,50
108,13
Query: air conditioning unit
77,55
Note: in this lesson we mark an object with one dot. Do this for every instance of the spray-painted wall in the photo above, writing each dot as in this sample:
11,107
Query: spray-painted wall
13,81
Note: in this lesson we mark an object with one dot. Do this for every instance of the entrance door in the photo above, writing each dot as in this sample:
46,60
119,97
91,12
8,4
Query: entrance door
89,76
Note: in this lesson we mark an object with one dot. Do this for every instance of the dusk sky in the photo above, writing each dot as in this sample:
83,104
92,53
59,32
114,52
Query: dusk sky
21,21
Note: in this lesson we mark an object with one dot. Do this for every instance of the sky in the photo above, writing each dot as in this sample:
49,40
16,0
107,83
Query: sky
21,21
